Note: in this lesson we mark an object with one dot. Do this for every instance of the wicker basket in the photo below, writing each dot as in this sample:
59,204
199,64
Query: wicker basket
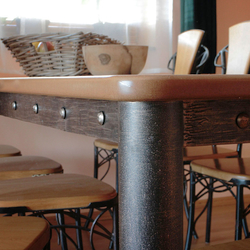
65,60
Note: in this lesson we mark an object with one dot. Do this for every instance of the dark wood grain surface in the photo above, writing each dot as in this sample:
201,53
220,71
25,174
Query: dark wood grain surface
205,122
81,114
215,122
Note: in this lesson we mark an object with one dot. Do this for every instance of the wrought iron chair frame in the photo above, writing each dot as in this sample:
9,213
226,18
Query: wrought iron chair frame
102,157
207,183
187,180
222,55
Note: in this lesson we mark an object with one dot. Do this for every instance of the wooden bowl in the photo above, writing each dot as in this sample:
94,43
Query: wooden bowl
114,59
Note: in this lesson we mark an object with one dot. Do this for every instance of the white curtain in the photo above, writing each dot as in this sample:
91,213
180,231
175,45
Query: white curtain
141,22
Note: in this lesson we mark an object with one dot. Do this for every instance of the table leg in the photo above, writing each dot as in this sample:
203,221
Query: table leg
150,175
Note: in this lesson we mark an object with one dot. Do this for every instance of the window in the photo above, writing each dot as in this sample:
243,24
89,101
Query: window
141,22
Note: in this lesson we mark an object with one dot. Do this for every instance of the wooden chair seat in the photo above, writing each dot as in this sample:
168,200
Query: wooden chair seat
223,169
7,151
27,166
65,195
235,245
19,233
206,152
105,144
60,191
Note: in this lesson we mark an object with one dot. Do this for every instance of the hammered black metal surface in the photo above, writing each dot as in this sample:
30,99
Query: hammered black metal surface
151,176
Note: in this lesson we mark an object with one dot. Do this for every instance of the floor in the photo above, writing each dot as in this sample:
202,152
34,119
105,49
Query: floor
222,226
223,222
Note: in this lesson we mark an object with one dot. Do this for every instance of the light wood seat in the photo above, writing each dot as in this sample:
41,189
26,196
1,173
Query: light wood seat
8,151
60,191
223,169
27,166
14,165
105,144
207,152
235,245
19,233
63,194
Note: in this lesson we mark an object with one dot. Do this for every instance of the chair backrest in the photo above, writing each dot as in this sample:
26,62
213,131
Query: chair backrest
199,64
187,47
239,49
237,61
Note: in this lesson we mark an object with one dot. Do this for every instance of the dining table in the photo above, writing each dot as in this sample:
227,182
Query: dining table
152,117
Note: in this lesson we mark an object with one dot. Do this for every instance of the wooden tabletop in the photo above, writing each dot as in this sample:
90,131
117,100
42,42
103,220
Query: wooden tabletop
152,87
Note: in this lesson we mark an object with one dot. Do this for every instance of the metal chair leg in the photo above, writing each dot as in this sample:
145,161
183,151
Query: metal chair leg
185,201
191,212
209,211
239,212
63,240
245,227
115,228
78,230
96,167
117,171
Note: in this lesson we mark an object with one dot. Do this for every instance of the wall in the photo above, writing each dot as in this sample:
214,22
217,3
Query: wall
230,12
